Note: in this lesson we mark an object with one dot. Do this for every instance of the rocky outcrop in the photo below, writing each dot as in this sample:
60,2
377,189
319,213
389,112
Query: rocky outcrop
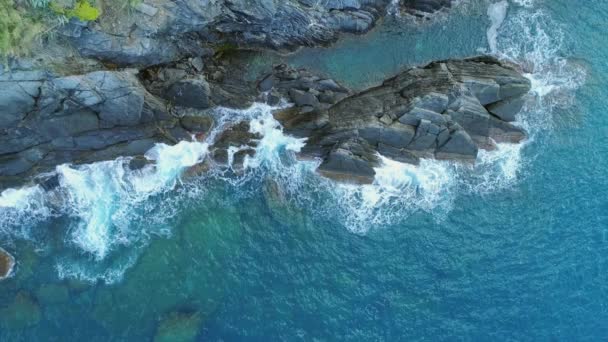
162,31
7,263
445,110
301,87
49,120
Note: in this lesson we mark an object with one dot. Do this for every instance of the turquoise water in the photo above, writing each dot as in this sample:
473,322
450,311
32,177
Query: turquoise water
514,249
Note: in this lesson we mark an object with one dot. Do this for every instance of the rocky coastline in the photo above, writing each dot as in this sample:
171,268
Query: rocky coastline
116,86
155,75
113,94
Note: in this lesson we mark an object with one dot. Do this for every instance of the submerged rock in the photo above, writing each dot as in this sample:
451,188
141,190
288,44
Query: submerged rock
7,263
179,326
22,313
53,294
445,110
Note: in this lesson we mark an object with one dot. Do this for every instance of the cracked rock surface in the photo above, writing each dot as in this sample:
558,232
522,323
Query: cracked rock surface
445,110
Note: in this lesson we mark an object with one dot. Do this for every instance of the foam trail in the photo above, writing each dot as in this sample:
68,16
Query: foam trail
497,13
102,195
398,190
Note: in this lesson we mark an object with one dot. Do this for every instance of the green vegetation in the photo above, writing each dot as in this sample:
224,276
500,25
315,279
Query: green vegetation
18,29
23,22
82,10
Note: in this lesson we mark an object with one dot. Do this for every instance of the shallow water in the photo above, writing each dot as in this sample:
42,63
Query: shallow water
513,249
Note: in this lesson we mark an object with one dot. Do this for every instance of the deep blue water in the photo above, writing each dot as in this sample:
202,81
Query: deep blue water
515,249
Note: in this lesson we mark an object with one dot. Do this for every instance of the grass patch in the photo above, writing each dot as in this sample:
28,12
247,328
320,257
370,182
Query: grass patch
23,22
19,29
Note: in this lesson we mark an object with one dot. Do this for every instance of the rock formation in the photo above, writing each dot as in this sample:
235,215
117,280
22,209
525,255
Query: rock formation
445,110
49,120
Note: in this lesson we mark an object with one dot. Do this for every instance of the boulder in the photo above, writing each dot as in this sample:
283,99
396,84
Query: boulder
506,109
351,161
7,263
191,93
301,98
459,145
197,123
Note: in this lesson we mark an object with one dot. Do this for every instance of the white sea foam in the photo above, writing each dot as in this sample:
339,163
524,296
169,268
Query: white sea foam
497,13
21,209
524,3
102,195
398,191
393,8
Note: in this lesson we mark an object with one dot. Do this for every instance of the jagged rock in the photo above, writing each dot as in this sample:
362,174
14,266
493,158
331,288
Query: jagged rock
303,88
437,110
267,83
506,109
459,145
7,263
79,118
185,28
233,145
350,161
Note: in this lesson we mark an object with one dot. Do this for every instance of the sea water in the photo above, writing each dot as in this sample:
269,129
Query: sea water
513,248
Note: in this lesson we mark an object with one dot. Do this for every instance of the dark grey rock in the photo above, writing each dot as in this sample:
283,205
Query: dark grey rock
426,134
400,155
506,109
17,99
302,98
192,93
197,63
458,146
433,110
197,123
267,83
350,161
